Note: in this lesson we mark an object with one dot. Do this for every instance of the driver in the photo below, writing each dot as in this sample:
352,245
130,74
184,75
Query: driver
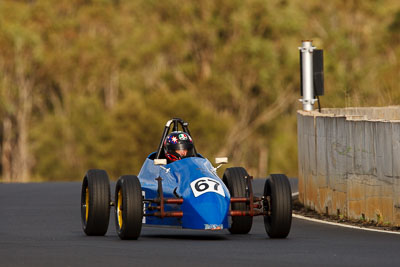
178,145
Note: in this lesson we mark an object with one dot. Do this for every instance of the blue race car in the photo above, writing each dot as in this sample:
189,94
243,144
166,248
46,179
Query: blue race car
185,191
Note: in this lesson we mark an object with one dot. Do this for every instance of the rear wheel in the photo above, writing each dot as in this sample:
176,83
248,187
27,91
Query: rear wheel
234,179
278,205
128,207
95,202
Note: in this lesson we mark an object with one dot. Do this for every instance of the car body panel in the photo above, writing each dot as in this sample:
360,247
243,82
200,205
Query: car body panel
206,199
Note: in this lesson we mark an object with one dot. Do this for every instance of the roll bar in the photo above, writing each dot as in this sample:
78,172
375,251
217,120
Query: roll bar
175,122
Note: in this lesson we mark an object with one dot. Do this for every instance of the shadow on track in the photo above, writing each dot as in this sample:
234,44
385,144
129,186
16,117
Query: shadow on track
187,237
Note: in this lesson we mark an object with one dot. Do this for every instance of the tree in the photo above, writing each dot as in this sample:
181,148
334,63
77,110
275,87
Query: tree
80,81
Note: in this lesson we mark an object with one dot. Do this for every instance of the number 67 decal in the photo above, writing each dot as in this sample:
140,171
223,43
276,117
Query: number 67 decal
206,184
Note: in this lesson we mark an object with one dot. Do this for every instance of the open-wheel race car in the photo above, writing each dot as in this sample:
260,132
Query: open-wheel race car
187,193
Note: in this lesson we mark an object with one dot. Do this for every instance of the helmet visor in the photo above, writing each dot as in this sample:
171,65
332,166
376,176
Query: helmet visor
174,147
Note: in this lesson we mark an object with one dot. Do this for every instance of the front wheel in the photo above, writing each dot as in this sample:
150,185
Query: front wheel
95,202
235,181
278,206
128,207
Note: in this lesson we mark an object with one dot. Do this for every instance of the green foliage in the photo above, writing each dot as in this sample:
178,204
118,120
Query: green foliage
283,154
104,76
67,144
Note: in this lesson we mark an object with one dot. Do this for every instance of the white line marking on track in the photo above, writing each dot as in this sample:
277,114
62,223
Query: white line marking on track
345,225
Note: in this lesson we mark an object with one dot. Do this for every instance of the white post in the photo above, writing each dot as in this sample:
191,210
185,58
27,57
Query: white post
307,75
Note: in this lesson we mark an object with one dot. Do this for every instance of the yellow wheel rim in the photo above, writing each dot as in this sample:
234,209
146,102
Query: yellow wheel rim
119,210
87,203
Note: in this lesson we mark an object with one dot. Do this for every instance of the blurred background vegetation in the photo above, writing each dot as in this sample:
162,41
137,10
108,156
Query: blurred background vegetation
90,84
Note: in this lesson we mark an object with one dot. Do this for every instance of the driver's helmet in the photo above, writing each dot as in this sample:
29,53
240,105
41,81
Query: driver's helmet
178,141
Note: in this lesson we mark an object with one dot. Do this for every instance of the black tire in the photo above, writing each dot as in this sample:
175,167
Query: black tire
278,205
234,179
95,202
128,207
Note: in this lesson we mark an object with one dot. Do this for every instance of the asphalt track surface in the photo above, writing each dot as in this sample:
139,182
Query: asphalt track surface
40,226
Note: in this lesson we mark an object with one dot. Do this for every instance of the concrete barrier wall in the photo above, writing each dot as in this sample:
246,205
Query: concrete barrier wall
349,162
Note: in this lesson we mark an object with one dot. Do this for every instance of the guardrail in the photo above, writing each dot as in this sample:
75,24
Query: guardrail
349,162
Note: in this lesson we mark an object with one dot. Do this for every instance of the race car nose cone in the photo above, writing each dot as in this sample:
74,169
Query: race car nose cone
207,211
